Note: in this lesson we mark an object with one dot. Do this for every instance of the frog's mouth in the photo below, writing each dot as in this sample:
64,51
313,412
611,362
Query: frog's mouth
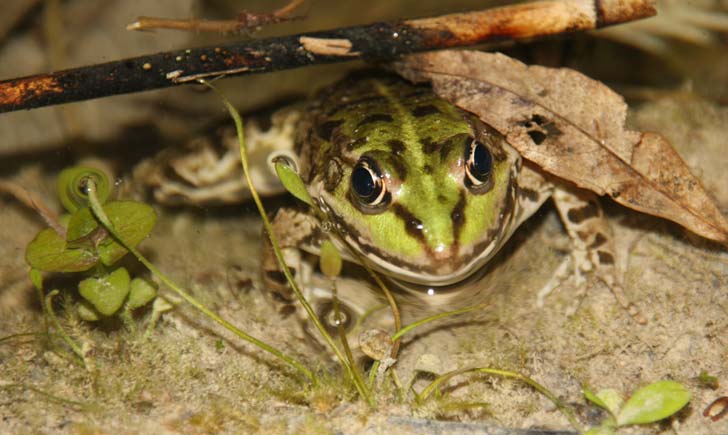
437,273
450,266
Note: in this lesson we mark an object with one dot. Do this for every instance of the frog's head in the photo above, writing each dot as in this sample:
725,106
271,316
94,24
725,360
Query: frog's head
421,189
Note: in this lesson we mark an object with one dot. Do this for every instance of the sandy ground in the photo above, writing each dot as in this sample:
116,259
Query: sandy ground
190,376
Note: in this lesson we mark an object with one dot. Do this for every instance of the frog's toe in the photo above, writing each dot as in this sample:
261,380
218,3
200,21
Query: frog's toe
561,274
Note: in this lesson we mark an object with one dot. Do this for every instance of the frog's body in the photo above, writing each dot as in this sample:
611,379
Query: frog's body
422,191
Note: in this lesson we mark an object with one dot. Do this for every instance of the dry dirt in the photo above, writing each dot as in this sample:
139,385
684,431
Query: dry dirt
190,376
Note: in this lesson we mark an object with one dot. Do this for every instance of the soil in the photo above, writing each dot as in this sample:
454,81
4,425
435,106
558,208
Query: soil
189,375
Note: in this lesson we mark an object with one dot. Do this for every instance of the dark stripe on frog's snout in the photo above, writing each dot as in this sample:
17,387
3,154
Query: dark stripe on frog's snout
412,225
458,216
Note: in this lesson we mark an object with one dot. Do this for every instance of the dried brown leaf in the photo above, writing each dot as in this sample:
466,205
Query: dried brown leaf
574,128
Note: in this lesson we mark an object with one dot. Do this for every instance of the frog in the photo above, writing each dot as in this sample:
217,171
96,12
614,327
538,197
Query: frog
419,190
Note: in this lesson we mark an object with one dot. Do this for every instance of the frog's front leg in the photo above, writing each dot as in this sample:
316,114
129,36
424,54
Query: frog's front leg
592,242
351,303
291,228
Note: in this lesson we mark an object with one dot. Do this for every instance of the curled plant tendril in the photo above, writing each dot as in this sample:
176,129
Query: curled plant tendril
73,187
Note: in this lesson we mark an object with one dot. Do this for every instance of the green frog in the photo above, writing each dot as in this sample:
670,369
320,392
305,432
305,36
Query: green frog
422,191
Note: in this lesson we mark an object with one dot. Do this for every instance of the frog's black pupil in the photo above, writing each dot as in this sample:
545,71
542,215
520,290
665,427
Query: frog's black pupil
481,163
363,183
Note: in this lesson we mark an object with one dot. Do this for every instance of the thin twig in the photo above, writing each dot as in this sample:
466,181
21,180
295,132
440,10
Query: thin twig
373,42
246,21
31,201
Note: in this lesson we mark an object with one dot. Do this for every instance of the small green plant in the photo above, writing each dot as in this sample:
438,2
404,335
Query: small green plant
649,404
79,243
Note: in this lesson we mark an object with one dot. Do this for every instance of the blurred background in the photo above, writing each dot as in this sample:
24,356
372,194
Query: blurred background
680,48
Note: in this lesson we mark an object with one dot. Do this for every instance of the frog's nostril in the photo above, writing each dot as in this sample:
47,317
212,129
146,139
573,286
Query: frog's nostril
441,253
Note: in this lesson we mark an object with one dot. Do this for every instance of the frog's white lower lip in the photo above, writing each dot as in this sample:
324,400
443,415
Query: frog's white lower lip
440,275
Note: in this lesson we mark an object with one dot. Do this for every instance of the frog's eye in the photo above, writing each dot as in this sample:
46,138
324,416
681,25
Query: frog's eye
368,185
478,167
327,314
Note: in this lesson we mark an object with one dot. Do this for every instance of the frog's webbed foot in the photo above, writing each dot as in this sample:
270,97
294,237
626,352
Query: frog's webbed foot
593,255
207,170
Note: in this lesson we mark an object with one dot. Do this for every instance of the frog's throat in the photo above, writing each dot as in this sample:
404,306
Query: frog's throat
432,273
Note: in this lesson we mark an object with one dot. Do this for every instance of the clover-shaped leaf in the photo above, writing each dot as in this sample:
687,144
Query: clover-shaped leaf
141,293
132,221
653,403
106,293
80,225
36,277
87,312
609,399
48,253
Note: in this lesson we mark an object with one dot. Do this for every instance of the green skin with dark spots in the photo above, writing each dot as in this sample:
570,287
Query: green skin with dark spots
434,229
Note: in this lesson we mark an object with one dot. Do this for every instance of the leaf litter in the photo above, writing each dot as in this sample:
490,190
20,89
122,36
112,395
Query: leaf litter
572,127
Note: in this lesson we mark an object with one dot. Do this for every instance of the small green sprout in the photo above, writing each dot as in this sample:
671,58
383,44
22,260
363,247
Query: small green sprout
649,404
706,380
83,246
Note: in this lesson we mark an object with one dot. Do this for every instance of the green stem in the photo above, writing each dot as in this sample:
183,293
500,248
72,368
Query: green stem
506,374
101,216
128,320
24,334
360,386
48,305
434,317
373,373
344,342
41,298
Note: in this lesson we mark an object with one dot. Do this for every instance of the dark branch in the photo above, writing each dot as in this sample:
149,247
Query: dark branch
378,41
